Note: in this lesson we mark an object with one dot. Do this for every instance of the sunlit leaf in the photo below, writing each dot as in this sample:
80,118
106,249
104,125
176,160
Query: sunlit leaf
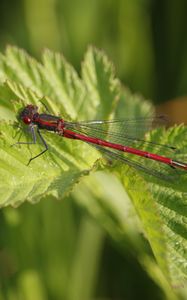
160,205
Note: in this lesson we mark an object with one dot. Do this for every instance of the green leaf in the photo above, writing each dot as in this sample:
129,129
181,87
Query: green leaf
160,205
101,85
58,84
104,197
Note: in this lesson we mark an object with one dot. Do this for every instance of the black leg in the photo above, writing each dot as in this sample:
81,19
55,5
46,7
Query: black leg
42,152
34,142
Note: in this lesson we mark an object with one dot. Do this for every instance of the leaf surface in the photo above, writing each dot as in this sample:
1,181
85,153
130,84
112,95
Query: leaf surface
160,205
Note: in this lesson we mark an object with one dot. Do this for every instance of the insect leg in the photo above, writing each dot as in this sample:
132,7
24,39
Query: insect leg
28,143
43,142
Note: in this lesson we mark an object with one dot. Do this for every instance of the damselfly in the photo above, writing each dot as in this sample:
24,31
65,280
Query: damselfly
119,139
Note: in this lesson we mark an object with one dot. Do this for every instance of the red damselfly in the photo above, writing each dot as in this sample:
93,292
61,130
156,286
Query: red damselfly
118,139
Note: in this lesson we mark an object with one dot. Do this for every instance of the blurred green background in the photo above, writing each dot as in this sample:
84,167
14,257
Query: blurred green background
145,39
56,250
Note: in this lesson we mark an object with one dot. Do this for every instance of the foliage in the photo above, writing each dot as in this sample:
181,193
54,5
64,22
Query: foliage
98,94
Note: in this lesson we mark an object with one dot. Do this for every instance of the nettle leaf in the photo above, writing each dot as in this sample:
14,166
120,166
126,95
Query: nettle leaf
161,205
162,208
56,82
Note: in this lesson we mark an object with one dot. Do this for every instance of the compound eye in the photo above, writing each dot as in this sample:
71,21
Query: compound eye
27,120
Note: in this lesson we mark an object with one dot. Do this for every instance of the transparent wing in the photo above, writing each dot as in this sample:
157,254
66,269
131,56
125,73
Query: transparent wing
129,132
135,127
150,167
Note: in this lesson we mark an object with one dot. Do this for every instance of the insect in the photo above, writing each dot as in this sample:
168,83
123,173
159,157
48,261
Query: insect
118,139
